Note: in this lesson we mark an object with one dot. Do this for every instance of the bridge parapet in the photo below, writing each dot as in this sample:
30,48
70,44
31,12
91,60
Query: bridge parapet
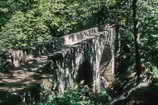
74,38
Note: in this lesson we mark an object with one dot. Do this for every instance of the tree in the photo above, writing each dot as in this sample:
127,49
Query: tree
135,35
29,22
136,20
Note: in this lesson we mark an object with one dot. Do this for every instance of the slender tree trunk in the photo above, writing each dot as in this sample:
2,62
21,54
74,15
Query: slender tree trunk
135,34
117,48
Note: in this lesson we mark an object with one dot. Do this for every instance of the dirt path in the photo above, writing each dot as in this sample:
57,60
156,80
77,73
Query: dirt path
22,77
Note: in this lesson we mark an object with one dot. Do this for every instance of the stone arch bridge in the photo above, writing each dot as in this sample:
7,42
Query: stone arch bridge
85,57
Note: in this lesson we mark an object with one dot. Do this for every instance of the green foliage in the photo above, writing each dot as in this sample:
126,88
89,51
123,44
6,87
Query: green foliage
25,23
155,72
73,96
77,97
147,34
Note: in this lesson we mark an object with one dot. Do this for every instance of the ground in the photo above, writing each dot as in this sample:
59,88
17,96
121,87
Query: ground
22,77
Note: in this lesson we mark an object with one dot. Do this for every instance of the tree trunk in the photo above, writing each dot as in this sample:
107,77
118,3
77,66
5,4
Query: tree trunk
135,34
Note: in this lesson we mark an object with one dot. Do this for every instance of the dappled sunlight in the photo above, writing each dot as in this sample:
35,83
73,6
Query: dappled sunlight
24,76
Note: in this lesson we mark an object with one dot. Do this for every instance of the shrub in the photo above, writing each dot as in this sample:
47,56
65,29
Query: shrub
77,97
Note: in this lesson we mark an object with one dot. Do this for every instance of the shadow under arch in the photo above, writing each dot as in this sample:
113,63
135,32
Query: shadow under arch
85,74
105,57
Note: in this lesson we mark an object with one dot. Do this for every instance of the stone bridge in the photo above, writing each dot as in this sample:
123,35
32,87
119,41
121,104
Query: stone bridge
85,57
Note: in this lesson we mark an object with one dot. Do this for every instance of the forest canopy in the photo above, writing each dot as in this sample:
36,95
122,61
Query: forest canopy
25,23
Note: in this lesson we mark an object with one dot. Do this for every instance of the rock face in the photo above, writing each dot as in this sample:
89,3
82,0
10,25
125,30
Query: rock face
85,56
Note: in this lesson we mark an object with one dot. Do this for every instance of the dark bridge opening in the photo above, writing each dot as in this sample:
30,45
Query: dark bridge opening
85,74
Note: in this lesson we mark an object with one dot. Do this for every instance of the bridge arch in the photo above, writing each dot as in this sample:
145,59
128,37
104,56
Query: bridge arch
84,55
85,73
